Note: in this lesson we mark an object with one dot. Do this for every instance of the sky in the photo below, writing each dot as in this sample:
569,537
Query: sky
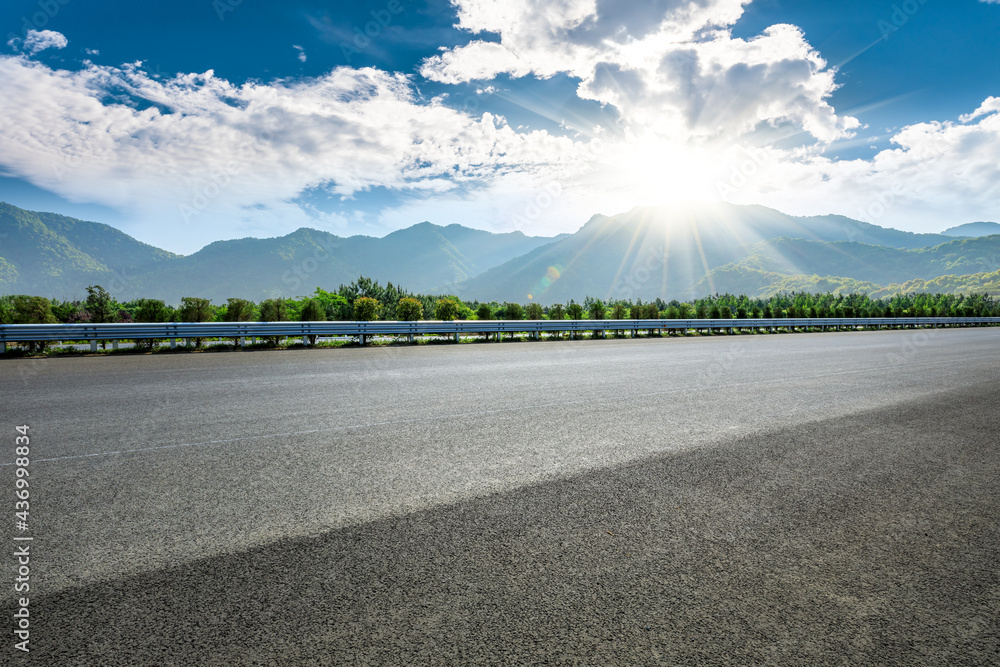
193,121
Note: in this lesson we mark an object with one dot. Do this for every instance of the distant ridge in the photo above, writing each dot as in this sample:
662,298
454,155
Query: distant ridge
646,253
974,229
56,256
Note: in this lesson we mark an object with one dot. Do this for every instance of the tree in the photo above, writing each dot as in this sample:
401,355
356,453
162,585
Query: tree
513,311
484,312
366,309
335,306
194,309
312,311
534,311
409,310
445,310
23,309
273,310
574,310
557,312
239,310
619,311
149,310
100,305
597,310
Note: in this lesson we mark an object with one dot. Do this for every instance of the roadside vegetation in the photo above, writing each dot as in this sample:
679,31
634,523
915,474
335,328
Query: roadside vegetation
367,300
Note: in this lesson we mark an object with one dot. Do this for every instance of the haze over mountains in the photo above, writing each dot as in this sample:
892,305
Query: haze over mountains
644,253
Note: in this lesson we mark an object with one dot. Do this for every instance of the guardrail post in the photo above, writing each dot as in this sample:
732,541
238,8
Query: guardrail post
362,339
456,336
410,339
114,344
93,346
243,341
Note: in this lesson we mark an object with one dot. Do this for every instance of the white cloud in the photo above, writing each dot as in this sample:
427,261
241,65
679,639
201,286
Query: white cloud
671,68
939,174
195,149
39,40
302,52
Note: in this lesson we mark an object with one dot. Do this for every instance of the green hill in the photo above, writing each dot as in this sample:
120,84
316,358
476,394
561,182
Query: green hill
56,256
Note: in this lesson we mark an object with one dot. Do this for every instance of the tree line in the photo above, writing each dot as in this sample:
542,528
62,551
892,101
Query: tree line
367,300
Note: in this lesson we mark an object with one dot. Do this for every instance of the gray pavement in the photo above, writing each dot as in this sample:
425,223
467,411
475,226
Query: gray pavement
781,499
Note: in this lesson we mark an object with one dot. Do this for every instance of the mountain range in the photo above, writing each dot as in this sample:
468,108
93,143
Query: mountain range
644,253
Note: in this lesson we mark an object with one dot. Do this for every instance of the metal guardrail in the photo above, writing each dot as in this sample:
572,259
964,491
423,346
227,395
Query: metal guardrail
22,333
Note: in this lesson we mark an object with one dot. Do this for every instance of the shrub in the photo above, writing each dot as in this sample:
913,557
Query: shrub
574,310
312,311
196,310
237,310
484,312
557,312
534,311
598,310
366,309
445,310
619,312
409,310
513,311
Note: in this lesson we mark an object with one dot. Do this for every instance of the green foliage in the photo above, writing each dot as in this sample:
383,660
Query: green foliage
150,310
335,306
557,312
484,312
619,311
409,309
24,309
512,311
366,309
239,310
597,309
312,311
194,309
446,310
574,310
534,311
273,310
100,305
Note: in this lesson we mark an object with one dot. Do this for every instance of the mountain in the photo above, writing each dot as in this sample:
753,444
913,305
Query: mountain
666,252
56,256
974,229
645,253
46,253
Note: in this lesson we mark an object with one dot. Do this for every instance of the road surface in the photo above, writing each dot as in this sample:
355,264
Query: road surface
783,499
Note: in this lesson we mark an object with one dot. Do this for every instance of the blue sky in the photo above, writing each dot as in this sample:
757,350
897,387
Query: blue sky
192,121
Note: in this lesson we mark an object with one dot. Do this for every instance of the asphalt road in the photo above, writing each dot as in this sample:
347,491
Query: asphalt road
779,499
